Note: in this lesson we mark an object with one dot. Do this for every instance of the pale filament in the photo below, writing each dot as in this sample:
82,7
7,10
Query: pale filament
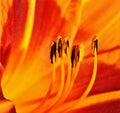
71,78
75,71
84,95
67,82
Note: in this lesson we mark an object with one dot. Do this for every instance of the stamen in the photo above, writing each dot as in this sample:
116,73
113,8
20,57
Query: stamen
94,44
75,57
50,104
68,81
84,95
71,79
80,52
57,50
75,104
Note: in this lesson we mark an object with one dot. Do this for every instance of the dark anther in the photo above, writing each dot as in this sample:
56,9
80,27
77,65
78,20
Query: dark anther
66,46
60,47
75,55
96,44
53,52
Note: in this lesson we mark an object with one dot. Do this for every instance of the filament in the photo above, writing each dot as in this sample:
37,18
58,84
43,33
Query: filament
76,104
68,81
68,75
55,103
61,87
84,95
75,71
74,75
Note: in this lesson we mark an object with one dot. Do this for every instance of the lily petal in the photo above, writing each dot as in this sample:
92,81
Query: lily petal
28,28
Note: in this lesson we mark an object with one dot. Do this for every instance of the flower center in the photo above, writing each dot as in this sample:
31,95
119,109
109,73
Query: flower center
60,55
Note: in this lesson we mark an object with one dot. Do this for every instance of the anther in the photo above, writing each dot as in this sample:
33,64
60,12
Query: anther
75,56
66,46
95,44
53,52
59,47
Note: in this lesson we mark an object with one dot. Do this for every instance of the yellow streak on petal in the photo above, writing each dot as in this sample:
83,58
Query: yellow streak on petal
99,98
24,46
29,24
109,25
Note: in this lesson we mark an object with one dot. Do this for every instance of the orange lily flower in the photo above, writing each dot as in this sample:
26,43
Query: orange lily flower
46,61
